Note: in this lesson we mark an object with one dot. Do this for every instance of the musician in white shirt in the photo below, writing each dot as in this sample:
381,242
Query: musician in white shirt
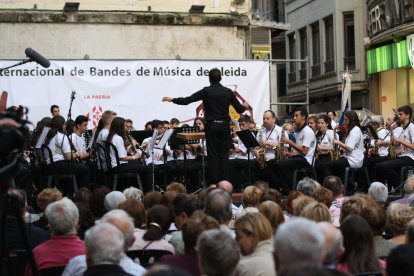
128,164
64,159
389,171
353,149
81,126
302,156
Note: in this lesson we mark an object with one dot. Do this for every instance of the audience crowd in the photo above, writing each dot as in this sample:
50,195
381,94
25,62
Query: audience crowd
316,230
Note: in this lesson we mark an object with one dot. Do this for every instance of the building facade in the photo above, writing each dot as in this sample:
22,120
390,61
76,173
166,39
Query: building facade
126,29
329,34
389,49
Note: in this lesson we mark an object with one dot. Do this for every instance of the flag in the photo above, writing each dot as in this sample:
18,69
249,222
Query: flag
346,95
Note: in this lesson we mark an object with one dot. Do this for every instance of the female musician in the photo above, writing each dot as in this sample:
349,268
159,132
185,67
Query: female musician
313,123
59,145
128,164
325,138
353,149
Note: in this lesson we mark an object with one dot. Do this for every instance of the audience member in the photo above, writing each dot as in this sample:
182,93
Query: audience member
212,245
410,232
306,270
176,186
289,203
300,203
306,186
191,229
133,193
228,187
359,255
84,196
136,210
298,241
183,206
398,217
408,191
97,201
86,219
152,198
218,205
272,195
334,247
159,220
400,261
334,184
262,185
105,247
273,212
317,212
124,223
44,198
379,193
364,206
63,217
113,199
16,207
254,237
323,195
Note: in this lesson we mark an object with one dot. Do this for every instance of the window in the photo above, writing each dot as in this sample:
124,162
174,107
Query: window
292,55
329,45
303,52
316,56
349,41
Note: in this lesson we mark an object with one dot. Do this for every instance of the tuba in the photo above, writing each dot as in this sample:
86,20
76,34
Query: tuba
261,151
392,151
335,153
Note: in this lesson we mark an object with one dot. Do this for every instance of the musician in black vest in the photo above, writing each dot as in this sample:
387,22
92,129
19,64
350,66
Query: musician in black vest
216,99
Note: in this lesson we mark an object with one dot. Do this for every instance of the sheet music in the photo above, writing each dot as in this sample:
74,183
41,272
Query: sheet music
42,137
154,137
164,139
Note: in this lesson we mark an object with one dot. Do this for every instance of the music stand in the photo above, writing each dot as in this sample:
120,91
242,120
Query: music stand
249,141
176,142
197,136
42,137
140,135
161,145
151,149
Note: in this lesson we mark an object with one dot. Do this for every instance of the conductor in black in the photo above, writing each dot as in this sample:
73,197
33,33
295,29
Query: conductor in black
216,99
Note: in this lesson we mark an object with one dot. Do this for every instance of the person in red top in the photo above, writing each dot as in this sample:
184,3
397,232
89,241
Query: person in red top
63,217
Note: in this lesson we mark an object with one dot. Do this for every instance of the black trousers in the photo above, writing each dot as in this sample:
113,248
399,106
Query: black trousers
390,171
82,172
239,172
218,141
144,171
336,167
284,172
371,163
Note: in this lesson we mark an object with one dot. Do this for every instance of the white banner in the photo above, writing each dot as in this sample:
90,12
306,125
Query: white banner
133,89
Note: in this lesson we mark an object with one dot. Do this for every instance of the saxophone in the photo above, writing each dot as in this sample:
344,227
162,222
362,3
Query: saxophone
261,151
392,151
280,148
335,153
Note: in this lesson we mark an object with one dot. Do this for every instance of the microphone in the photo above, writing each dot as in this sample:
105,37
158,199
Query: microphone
35,56
72,96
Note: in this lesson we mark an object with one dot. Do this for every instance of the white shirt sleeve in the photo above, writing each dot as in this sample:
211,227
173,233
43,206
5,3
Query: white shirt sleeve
353,138
119,144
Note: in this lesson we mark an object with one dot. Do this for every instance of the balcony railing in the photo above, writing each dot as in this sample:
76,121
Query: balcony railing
350,62
316,70
329,66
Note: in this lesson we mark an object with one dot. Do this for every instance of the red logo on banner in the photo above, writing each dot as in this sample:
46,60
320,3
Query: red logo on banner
95,115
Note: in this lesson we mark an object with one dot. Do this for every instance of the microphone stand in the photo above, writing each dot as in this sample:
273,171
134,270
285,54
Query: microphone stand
69,118
17,64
